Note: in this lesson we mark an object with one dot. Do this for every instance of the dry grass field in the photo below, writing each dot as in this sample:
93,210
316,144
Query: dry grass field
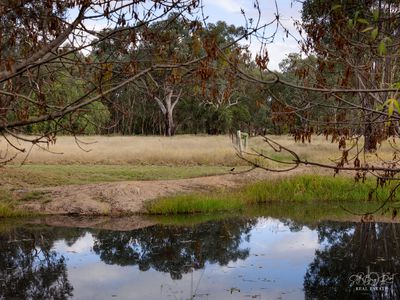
116,158
181,150
134,150
323,151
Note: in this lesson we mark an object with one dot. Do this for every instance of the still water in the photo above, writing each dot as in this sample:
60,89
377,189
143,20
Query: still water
227,258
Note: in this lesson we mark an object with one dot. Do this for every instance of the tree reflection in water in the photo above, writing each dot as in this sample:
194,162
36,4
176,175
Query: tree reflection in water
174,249
29,268
350,249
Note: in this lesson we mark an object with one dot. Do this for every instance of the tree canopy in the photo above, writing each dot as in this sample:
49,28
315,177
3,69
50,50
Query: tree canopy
158,67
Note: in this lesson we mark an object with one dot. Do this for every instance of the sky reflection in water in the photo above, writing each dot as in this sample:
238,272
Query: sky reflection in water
276,264
238,258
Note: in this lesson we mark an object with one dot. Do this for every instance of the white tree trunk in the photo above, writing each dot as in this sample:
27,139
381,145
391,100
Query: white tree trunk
167,108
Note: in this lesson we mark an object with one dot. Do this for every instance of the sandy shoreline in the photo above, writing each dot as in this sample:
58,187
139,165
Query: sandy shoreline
129,197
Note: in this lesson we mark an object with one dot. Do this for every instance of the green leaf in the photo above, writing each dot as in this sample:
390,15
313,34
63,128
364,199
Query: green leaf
382,48
396,104
350,23
387,102
363,21
368,29
336,6
374,33
390,109
391,104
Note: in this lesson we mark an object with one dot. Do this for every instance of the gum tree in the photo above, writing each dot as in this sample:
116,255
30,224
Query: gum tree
42,39
347,80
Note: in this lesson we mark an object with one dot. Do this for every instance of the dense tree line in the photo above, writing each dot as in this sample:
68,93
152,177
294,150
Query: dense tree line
207,99
170,72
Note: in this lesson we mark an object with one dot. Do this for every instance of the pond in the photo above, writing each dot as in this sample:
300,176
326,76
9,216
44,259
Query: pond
233,257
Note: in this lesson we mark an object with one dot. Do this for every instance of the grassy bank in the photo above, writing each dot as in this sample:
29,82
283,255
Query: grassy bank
299,189
116,158
8,206
14,179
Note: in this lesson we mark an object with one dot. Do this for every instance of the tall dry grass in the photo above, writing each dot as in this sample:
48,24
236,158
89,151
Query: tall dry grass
134,150
178,150
324,151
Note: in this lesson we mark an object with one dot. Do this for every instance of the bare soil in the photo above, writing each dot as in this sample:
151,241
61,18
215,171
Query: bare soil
129,197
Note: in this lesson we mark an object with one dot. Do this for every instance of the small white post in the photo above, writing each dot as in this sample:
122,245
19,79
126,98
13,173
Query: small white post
239,141
245,137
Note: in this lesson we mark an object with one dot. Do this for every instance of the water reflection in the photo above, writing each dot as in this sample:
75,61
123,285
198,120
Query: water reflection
231,258
362,248
30,269
175,250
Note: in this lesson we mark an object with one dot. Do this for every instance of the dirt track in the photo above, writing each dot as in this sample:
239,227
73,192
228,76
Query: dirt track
129,197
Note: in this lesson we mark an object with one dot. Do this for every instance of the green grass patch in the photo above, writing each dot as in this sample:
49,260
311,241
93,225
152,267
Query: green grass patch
8,210
34,196
195,203
310,188
299,189
55,175
8,207
5,195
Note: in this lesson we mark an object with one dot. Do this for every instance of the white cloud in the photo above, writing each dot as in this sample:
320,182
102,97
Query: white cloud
229,11
231,6
279,50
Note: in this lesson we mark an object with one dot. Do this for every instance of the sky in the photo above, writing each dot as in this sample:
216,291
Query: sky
230,12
